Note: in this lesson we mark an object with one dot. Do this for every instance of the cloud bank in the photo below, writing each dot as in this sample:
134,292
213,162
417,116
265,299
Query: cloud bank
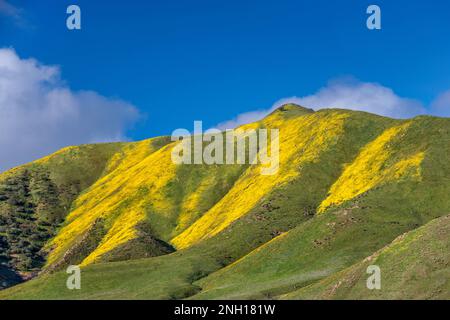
39,114
441,105
352,94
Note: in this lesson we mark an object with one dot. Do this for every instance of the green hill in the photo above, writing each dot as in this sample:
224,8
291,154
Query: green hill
416,265
35,199
349,183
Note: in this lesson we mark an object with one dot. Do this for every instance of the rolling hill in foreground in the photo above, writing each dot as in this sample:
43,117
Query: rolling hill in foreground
353,189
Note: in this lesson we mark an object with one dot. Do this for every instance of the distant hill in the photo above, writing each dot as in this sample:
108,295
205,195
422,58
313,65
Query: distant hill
348,185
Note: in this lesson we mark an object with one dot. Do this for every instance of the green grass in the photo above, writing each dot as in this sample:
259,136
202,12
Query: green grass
163,277
414,266
35,199
242,235
345,234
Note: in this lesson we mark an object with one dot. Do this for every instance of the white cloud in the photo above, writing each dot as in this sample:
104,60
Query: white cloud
363,96
345,93
441,105
39,114
243,118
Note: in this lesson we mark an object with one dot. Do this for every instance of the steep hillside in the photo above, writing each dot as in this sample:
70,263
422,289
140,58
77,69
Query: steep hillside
416,265
304,141
145,196
412,191
348,184
35,198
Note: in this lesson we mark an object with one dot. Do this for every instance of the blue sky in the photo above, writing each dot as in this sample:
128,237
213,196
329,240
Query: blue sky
179,61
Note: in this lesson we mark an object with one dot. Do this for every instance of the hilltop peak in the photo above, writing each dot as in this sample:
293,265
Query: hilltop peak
290,109
293,107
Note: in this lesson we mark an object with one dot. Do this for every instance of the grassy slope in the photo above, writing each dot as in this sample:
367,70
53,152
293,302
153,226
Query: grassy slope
403,163
305,177
35,198
304,140
410,194
414,266
145,192
71,169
